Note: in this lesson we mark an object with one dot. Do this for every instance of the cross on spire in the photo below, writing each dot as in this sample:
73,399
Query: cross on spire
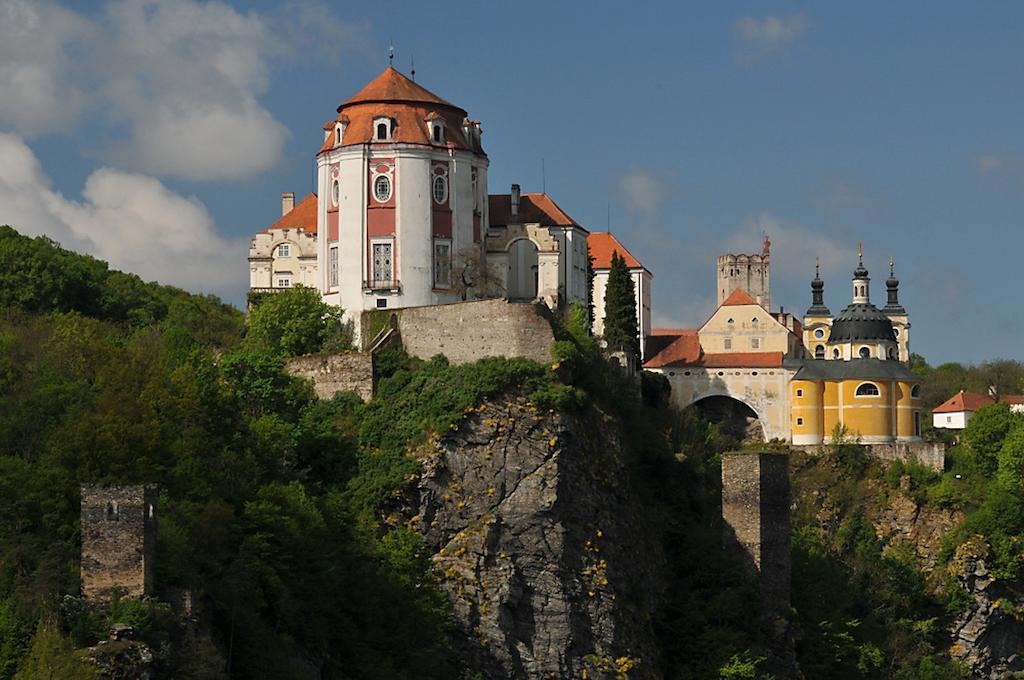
892,266
860,252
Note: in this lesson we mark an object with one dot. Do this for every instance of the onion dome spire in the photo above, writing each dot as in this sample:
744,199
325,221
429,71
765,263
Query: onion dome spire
818,307
861,281
892,289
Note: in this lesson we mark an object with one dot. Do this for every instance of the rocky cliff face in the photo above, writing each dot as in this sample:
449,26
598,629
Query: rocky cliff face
534,528
988,636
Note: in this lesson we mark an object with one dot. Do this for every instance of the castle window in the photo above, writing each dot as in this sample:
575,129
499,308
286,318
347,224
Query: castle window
755,343
799,393
896,332
799,421
382,263
335,192
867,390
728,343
382,188
283,250
835,353
339,130
891,353
915,391
284,283
333,280
383,127
754,321
864,352
731,321
436,132
819,333
151,511
440,190
442,264
819,352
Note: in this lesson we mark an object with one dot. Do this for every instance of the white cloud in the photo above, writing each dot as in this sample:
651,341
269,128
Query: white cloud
1003,165
132,221
641,190
794,247
178,81
758,38
40,77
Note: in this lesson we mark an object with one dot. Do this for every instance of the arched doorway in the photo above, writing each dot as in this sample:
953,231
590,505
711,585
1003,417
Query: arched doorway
734,418
523,270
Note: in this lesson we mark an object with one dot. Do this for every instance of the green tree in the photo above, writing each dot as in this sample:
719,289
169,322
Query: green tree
985,433
52,657
620,328
296,321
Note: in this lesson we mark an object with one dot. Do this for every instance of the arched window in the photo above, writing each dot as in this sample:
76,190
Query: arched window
867,390
864,352
437,134
382,188
891,353
819,352
440,190
754,321
382,131
835,352
915,391
335,192
731,321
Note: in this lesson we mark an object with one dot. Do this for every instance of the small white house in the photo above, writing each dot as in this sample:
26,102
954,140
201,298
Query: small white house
954,413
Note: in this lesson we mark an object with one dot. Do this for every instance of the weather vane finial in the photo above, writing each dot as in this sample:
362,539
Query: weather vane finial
391,55
892,266
860,252
817,267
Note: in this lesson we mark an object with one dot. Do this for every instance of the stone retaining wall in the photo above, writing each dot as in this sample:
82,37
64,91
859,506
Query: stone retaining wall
932,455
333,373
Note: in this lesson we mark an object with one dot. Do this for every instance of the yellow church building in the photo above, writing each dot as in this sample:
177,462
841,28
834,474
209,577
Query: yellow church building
801,380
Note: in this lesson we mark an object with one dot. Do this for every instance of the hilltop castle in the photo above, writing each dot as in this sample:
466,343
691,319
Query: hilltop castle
402,219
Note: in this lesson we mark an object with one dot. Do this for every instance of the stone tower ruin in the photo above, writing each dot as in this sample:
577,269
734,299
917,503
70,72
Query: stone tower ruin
752,273
118,541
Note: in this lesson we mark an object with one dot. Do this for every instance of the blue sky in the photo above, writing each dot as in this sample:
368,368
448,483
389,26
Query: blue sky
159,135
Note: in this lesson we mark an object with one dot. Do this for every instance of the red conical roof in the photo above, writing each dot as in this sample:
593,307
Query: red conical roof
392,86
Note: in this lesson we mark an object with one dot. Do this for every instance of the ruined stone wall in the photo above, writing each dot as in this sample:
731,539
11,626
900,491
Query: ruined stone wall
333,373
932,455
467,331
118,526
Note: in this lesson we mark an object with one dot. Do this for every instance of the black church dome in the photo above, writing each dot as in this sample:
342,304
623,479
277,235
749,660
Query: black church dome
861,322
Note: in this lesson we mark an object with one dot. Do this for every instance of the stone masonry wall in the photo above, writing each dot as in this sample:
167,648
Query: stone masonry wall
333,373
467,331
118,541
932,455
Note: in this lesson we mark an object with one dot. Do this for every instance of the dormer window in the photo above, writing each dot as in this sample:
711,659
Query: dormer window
436,132
339,132
283,250
382,129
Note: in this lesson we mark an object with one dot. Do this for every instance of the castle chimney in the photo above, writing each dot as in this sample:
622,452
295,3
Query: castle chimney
515,200
287,202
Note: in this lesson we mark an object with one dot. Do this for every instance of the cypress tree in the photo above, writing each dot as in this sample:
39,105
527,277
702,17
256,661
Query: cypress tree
620,329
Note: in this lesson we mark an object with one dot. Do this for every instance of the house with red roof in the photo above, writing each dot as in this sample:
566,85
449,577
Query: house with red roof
602,245
285,253
955,412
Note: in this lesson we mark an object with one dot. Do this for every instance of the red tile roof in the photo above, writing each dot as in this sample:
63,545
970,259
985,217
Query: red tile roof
739,297
302,216
410,105
972,401
667,350
392,86
602,244
533,208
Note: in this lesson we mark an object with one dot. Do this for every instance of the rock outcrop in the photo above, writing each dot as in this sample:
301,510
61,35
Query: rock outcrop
903,520
121,656
988,637
537,534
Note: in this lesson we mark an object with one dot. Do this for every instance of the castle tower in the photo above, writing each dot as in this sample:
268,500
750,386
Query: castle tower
752,273
861,330
118,526
897,314
402,181
756,514
818,319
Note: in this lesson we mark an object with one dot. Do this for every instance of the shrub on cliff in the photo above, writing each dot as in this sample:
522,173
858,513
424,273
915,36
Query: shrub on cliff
297,321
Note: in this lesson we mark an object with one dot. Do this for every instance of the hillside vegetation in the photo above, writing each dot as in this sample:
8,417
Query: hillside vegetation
271,502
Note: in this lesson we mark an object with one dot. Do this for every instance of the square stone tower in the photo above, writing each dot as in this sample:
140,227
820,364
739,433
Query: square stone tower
118,541
752,273
755,507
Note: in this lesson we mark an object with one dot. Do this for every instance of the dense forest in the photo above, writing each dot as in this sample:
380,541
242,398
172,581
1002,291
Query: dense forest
271,499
